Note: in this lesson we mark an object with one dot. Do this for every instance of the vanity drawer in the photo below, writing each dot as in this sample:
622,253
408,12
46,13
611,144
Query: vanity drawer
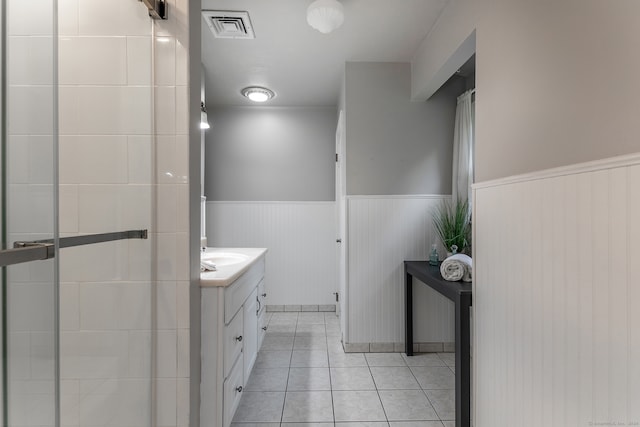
233,341
237,293
232,389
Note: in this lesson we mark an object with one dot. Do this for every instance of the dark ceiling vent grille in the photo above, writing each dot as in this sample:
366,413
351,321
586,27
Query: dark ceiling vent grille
225,24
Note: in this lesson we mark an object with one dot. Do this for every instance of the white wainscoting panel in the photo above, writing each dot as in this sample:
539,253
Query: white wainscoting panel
384,231
300,236
556,293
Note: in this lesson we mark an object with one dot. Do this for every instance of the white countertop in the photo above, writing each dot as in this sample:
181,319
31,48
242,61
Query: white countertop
227,274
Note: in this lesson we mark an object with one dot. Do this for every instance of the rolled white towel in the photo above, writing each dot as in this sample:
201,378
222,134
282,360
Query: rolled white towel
457,267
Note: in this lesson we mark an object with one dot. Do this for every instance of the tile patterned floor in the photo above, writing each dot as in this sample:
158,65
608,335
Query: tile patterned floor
302,378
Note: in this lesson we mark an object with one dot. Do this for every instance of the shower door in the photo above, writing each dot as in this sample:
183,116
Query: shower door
28,212
75,156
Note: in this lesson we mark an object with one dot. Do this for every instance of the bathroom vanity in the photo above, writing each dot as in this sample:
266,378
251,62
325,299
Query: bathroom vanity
233,328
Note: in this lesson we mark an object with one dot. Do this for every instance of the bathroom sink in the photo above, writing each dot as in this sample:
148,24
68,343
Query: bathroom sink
222,266
221,259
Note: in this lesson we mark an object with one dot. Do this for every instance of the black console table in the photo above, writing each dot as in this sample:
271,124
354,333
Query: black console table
460,294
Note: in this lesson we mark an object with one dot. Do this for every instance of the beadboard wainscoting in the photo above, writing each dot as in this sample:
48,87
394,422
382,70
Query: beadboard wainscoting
300,236
556,290
384,231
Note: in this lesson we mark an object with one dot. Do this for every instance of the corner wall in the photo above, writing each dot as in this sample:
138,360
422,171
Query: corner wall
555,334
176,130
398,169
572,337
270,182
193,64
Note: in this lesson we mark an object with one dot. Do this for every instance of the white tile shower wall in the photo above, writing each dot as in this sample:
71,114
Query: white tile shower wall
384,231
300,236
556,291
106,184
108,67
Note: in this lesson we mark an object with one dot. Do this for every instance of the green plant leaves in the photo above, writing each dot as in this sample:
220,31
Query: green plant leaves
452,222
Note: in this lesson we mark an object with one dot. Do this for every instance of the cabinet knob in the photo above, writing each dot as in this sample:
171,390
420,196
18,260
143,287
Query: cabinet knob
264,295
264,328
239,389
239,338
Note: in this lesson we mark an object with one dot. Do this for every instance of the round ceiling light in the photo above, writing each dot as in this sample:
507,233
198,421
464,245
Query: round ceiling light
325,15
257,93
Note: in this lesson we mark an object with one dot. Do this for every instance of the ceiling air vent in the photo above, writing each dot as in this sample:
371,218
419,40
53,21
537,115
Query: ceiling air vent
226,24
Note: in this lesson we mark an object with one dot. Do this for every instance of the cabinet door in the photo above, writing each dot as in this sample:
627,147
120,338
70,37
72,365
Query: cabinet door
262,327
262,297
250,324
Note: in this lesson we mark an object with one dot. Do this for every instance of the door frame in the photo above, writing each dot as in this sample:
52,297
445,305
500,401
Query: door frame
341,228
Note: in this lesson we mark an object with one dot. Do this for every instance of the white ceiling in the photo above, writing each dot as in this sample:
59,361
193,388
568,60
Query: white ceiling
303,66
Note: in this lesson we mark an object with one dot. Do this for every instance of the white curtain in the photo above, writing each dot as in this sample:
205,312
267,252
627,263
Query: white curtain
463,136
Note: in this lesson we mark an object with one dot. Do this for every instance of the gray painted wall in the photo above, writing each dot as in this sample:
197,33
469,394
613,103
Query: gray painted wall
393,145
270,154
449,44
546,99
561,96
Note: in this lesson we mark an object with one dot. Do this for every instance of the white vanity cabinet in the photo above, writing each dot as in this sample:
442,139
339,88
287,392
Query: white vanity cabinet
231,334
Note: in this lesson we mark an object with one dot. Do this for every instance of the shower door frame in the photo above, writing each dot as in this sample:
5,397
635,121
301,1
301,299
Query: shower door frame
25,251
35,251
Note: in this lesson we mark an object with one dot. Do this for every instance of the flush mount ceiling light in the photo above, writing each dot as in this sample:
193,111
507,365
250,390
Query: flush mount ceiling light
325,15
257,93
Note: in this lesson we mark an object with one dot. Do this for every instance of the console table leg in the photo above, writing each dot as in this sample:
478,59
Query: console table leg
463,362
408,310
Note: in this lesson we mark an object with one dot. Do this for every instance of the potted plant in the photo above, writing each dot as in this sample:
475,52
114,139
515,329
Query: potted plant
452,222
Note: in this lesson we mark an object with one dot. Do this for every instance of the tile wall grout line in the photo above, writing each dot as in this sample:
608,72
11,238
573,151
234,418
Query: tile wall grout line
286,387
326,338
377,390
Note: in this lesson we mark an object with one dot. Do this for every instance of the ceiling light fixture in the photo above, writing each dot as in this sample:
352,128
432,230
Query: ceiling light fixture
325,15
204,120
257,93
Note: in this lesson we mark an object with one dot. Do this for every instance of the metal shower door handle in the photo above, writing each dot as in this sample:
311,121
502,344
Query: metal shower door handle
44,249
26,253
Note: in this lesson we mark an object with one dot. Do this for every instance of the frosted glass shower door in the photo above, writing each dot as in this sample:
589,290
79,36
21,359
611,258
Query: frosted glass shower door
28,212
75,154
